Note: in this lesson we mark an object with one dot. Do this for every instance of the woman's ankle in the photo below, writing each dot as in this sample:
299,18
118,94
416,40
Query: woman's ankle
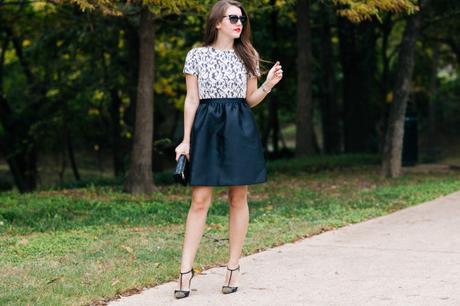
185,278
233,265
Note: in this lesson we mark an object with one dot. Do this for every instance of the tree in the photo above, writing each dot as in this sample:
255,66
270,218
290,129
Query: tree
304,123
359,10
140,177
391,164
330,109
19,141
356,96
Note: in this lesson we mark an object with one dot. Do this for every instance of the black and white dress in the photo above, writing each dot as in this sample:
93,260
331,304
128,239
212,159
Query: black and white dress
225,145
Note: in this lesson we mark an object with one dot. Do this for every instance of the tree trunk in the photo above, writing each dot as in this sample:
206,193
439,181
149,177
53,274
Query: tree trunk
391,165
23,166
132,72
113,87
70,150
117,148
432,128
358,61
329,107
273,125
140,177
304,124
17,145
386,28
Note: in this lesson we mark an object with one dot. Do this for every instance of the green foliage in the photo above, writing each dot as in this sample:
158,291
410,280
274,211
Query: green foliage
83,55
447,106
360,10
120,8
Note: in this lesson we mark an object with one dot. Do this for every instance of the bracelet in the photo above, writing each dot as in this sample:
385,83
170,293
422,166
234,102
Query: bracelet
264,89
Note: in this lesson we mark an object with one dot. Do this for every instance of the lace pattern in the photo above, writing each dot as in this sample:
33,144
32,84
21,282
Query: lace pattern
221,74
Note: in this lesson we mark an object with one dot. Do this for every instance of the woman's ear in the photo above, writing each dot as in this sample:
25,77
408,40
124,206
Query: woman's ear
218,25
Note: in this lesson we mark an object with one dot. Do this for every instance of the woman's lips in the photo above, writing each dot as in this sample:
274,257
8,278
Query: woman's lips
237,30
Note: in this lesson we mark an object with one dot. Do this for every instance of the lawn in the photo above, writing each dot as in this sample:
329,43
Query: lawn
87,245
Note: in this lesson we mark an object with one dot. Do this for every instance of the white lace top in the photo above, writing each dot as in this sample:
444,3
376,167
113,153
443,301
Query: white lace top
221,74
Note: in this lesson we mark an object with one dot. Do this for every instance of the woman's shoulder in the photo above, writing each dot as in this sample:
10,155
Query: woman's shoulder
197,51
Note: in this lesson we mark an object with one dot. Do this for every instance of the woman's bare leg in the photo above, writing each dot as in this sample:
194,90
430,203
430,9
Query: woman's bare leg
194,228
238,226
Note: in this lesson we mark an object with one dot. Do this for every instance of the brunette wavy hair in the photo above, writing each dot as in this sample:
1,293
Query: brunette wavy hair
242,45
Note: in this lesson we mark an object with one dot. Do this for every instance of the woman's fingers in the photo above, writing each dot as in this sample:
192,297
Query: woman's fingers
277,68
187,155
276,72
182,149
179,154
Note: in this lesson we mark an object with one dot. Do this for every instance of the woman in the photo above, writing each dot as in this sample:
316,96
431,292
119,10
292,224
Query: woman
221,139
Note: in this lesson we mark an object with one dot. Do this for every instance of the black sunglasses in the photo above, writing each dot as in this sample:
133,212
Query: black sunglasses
234,18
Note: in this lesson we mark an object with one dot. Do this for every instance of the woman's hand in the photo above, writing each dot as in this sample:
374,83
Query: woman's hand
275,74
183,148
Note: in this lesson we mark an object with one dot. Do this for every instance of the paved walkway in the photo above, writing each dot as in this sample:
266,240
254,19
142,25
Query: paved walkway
410,257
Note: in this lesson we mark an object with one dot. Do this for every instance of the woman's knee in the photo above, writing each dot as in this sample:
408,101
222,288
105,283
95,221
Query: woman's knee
238,196
201,199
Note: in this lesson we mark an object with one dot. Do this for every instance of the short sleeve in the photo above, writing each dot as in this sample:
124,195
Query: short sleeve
191,63
257,67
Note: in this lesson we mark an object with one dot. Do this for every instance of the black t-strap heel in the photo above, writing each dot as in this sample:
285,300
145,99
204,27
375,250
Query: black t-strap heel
179,294
227,289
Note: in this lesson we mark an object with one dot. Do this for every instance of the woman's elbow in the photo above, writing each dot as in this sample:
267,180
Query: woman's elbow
192,100
250,101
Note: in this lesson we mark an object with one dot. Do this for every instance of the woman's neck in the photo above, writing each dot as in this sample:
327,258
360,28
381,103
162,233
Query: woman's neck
223,44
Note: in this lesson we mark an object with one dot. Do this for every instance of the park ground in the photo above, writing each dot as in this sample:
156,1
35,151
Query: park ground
81,246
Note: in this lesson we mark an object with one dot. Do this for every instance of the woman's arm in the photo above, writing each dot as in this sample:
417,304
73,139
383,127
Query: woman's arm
255,95
191,104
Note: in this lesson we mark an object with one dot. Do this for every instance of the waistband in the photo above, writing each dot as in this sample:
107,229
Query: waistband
223,100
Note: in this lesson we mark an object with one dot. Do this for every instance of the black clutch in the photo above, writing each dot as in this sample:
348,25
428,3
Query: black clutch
182,173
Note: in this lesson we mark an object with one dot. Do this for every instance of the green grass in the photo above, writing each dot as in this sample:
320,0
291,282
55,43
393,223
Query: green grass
84,245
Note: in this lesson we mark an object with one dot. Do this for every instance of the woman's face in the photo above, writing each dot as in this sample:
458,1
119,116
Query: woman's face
225,27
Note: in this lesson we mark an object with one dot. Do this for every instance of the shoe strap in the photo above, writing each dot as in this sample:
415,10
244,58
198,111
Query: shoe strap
231,272
186,272
237,268
180,281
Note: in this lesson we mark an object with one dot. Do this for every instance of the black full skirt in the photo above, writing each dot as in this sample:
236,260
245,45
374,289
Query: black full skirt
225,145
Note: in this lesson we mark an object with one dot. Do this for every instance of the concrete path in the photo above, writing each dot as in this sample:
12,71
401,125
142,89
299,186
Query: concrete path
410,257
